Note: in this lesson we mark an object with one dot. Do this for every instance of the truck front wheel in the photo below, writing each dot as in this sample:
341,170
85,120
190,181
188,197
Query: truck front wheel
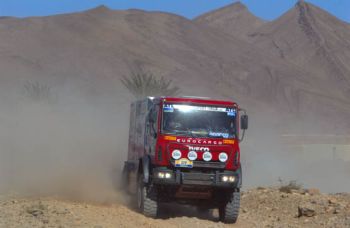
228,212
146,201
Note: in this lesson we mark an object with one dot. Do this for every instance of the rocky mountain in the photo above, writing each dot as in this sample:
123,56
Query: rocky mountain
305,36
313,39
87,53
234,19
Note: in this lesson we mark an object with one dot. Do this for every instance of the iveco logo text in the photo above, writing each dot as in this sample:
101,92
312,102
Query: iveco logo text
199,141
197,148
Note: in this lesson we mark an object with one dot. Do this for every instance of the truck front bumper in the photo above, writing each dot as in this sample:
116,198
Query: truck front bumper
225,179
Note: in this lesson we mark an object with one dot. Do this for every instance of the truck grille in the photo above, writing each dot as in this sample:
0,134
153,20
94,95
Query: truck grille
198,178
204,164
213,165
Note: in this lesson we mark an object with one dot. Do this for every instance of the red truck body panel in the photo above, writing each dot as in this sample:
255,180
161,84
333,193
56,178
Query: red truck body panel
185,149
161,156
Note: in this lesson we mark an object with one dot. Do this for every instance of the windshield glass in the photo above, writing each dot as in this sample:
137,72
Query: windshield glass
199,121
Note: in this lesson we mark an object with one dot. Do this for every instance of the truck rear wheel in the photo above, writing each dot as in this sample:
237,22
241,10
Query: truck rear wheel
228,212
146,203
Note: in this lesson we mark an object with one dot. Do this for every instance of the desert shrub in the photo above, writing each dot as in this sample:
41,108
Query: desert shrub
37,91
292,185
142,84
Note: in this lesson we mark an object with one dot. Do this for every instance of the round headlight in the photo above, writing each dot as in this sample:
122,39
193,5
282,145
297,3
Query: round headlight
223,157
207,156
231,179
176,154
192,155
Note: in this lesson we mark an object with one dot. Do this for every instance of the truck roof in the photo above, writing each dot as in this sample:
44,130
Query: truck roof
197,100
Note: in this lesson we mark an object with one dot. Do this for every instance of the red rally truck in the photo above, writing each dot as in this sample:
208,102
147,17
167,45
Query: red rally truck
185,149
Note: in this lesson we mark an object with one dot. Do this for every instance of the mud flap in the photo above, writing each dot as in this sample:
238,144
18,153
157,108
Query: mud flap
145,167
239,172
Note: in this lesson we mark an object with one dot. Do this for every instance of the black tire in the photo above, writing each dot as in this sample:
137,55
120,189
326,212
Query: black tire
146,203
229,211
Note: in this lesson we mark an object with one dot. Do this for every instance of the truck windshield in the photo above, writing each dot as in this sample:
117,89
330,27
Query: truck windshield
199,121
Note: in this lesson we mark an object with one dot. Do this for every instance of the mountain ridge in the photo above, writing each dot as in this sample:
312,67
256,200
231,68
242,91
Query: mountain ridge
88,52
233,19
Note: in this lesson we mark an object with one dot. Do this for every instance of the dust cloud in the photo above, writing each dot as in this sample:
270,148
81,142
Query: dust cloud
269,160
75,148
72,148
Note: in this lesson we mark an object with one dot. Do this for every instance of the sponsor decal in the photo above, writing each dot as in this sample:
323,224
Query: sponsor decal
219,134
198,148
199,141
168,108
231,112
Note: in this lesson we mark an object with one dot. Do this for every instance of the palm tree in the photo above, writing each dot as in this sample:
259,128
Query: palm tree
142,84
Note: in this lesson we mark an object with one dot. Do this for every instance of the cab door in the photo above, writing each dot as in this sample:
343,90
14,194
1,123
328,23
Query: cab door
151,131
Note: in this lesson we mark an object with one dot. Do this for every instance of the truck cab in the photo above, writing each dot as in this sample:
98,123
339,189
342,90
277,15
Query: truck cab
186,150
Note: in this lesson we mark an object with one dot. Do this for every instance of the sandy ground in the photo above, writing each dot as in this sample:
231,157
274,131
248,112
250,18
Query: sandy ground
263,207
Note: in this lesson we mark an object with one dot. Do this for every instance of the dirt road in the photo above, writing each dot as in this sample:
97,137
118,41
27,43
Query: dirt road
263,207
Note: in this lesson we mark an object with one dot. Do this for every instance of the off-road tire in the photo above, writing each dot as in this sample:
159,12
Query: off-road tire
147,204
228,212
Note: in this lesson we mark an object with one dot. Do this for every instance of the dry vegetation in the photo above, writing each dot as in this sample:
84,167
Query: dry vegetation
288,188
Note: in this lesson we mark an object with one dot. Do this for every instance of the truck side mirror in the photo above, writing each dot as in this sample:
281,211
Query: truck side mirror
155,135
244,122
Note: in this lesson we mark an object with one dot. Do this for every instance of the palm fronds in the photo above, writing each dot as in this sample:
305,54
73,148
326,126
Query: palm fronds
142,84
